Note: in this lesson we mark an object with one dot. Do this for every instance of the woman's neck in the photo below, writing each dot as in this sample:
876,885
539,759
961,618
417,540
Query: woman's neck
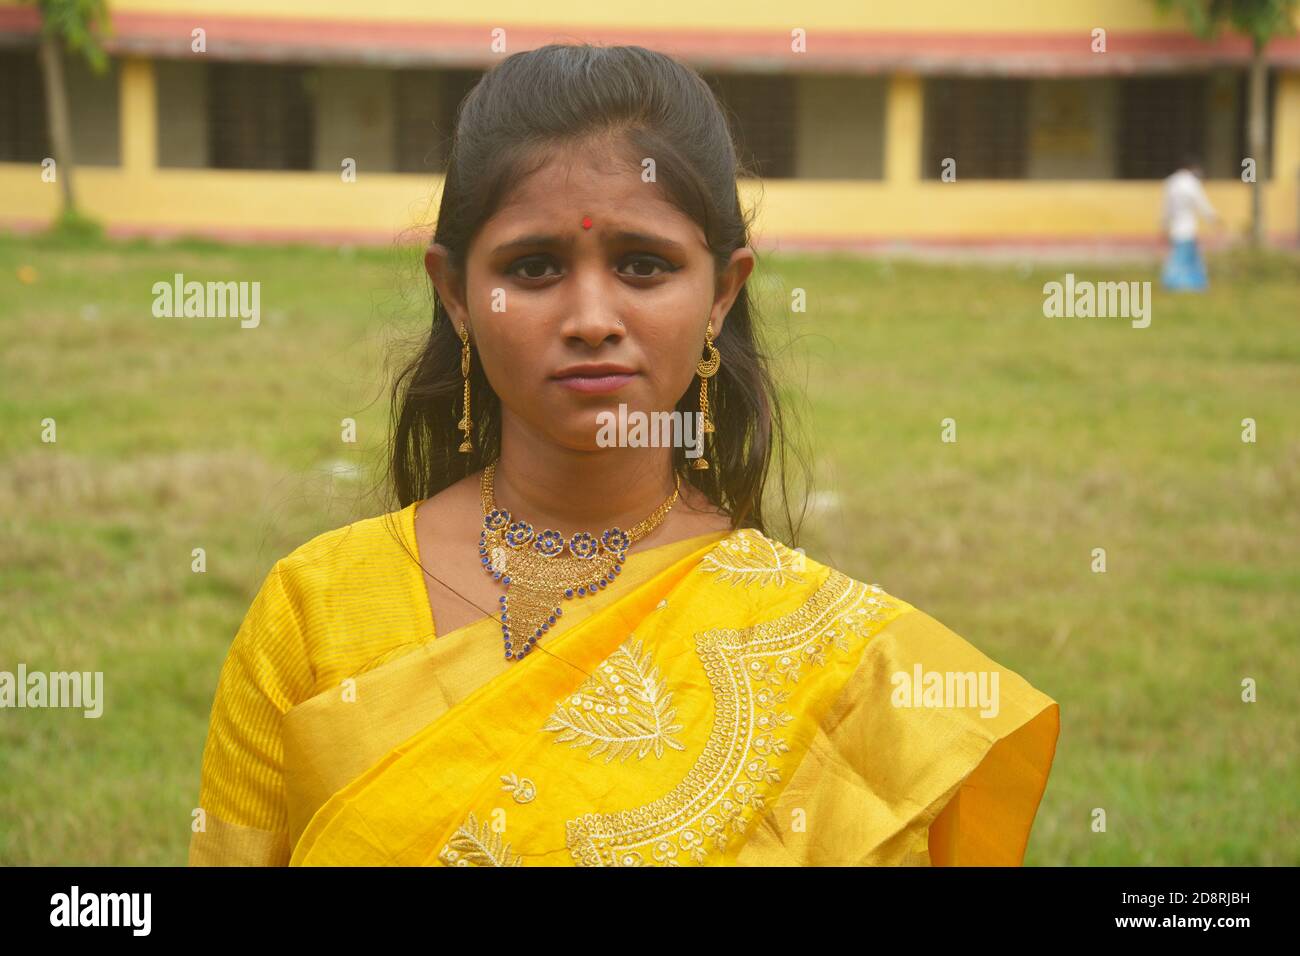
553,487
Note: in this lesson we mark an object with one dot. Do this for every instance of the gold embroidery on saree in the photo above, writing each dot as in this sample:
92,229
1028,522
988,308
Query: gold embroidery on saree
751,673
476,845
621,709
751,558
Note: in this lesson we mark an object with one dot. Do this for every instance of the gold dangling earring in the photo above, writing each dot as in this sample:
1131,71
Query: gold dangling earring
465,425
706,368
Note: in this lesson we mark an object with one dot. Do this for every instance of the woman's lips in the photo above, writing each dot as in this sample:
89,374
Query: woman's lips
603,382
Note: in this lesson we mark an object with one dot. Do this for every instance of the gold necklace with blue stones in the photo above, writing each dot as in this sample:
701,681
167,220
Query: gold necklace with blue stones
539,575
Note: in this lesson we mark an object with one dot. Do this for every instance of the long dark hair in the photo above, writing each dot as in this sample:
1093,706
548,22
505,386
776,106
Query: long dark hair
652,105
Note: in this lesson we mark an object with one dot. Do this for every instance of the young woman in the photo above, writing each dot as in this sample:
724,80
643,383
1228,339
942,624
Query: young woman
573,644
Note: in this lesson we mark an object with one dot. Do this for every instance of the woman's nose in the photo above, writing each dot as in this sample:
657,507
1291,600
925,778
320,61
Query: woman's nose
592,314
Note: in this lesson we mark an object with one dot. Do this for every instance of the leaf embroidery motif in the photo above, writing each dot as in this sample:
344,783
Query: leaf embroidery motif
476,845
621,709
750,557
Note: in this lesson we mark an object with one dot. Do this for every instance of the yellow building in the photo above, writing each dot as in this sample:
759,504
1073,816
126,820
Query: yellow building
1058,117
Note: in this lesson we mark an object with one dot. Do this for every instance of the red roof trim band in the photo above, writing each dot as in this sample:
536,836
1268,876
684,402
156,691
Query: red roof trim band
447,44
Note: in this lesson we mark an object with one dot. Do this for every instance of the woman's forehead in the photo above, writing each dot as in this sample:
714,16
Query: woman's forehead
595,187
588,183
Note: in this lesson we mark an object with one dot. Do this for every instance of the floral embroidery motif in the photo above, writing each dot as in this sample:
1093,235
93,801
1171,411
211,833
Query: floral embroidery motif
476,845
621,709
751,673
750,557
523,790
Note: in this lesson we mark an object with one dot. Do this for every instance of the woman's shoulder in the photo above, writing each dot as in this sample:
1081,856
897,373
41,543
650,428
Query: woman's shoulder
361,549
341,584
335,600
776,573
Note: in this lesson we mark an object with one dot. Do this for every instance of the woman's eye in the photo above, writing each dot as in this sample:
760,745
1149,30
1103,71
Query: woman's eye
649,262
534,263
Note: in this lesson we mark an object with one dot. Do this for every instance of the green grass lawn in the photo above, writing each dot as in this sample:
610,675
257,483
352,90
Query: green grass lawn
1072,434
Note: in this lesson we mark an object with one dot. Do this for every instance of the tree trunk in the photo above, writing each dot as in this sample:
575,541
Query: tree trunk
1255,134
56,116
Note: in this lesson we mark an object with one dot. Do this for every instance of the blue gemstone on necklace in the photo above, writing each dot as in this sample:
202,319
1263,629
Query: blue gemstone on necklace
568,592
506,579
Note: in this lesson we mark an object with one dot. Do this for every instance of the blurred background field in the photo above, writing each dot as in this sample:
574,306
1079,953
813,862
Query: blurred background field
1073,434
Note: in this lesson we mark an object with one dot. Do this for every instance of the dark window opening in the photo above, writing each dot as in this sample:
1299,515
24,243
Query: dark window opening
981,124
260,116
24,137
762,114
1162,118
427,102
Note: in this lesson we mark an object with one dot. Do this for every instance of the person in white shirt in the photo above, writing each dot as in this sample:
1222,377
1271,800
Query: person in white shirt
1185,203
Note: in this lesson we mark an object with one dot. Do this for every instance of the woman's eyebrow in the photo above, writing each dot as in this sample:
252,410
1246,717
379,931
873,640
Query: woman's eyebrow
564,242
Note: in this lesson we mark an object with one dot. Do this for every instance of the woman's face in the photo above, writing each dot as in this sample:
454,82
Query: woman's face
569,321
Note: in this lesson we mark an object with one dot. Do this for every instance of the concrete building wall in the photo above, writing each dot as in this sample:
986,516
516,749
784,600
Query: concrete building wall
870,124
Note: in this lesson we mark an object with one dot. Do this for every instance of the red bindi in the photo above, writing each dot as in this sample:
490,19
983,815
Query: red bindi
586,222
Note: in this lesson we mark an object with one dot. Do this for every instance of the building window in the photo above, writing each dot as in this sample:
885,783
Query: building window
427,102
23,135
92,110
761,111
1161,119
981,124
840,127
260,116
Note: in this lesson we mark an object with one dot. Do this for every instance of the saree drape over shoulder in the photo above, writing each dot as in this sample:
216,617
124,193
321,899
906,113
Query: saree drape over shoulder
729,703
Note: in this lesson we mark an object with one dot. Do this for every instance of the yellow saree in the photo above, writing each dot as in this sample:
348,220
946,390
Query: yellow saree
734,704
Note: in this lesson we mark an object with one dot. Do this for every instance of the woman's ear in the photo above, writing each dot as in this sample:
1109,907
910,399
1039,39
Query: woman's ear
728,286
448,282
